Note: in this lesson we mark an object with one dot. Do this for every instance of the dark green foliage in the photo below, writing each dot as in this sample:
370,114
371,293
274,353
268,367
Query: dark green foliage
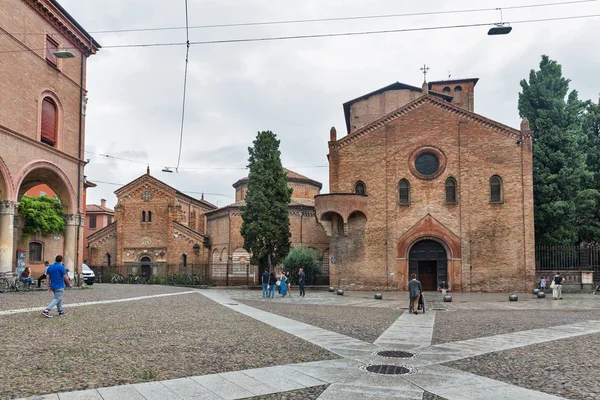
41,215
266,225
565,195
303,257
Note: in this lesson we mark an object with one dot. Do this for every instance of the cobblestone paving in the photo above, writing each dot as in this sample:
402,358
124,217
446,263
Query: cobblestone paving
95,292
462,324
361,323
137,341
309,393
567,368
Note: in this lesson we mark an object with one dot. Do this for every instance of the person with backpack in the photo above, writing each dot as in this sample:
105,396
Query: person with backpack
57,277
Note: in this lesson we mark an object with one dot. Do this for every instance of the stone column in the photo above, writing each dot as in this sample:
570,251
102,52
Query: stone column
70,256
7,217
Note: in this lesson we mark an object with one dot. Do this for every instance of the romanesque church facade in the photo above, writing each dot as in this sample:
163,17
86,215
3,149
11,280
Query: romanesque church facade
422,184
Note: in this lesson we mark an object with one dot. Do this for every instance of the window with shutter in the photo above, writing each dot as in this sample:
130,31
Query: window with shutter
35,252
404,192
49,122
109,220
496,189
451,191
51,48
92,222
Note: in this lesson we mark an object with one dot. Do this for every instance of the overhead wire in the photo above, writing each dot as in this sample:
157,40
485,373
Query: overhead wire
332,19
187,54
182,191
324,35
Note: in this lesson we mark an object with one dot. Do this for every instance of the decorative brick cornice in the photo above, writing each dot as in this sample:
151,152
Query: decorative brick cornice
425,99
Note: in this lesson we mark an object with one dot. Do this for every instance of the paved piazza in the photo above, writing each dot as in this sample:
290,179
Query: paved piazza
148,342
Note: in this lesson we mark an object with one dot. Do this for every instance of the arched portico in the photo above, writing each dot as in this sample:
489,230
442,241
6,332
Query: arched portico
428,259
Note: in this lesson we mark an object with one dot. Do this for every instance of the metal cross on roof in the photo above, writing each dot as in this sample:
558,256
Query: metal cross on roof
424,68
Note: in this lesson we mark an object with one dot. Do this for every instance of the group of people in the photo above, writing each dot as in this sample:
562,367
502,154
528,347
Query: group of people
280,280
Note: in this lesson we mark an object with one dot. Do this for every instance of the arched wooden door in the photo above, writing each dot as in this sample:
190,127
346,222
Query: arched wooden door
428,259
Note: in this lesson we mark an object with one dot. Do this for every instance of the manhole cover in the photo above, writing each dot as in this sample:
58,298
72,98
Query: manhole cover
395,354
388,369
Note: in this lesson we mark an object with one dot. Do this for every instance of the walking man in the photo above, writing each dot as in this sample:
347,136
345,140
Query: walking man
57,277
301,281
414,291
265,283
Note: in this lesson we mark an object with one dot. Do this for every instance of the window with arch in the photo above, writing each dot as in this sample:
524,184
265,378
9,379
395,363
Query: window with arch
184,259
35,252
451,197
360,188
143,216
49,122
496,192
458,94
149,216
446,90
404,192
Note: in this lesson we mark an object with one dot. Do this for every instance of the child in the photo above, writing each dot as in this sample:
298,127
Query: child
542,283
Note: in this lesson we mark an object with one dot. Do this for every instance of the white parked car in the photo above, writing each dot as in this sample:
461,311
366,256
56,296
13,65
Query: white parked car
88,275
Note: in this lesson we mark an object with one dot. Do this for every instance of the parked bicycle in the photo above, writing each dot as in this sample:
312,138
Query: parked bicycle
117,278
9,281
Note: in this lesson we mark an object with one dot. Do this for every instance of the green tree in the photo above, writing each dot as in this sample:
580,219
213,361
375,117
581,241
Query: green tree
266,224
41,215
561,175
303,257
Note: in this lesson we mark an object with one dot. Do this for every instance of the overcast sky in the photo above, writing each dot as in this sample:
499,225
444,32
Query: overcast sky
294,88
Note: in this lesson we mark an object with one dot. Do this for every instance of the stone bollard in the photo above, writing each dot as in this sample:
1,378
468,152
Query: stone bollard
447,298
541,295
340,292
513,297
331,289
536,291
378,296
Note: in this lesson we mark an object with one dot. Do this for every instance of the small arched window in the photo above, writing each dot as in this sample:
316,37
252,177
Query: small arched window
360,188
458,94
35,252
496,193
404,192
49,122
184,259
149,216
143,216
451,191
446,90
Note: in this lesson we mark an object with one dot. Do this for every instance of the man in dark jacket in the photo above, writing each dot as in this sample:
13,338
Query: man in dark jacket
414,291
265,283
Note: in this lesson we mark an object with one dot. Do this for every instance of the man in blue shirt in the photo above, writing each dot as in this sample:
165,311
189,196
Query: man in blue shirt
56,276
265,283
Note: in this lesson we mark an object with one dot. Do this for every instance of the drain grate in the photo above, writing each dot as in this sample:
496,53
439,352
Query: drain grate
388,369
395,354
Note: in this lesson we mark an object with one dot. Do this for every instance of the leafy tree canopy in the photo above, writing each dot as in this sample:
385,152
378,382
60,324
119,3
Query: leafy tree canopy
41,215
303,257
561,174
266,225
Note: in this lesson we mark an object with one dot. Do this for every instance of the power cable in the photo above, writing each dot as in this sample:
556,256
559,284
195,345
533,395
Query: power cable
332,19
187,53
183,191
324,35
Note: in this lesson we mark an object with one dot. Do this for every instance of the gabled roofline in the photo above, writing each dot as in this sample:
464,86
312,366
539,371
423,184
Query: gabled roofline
171,188
393,86
428,98
449,81
103,231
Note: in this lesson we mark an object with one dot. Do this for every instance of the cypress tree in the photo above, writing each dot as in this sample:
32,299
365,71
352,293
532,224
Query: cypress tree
266,224
561,176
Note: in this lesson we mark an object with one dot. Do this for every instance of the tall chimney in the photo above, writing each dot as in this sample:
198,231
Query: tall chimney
103,203
332,134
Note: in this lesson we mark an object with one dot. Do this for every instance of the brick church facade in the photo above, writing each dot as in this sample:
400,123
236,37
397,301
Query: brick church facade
422,184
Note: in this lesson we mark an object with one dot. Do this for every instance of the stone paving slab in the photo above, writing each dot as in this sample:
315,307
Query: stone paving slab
155,391
409,331
222,387
187,388
81,395
354,392
457,385
123,392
